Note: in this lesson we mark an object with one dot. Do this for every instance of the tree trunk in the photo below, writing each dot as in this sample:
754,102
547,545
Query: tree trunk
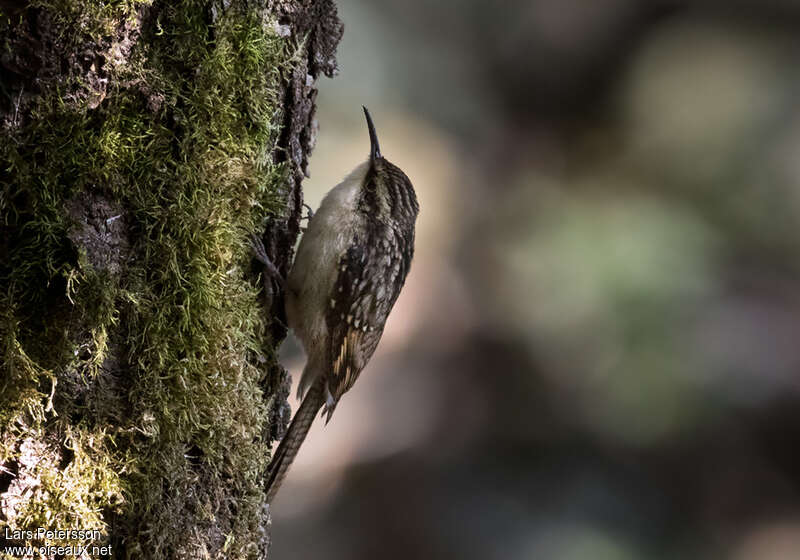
142,143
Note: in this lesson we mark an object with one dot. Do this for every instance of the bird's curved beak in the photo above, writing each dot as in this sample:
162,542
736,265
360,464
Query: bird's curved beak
374,147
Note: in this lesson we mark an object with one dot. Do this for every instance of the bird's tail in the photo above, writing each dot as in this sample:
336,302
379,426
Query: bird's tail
291,442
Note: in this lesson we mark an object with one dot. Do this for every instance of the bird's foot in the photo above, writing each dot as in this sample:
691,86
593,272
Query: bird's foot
261,254
309,212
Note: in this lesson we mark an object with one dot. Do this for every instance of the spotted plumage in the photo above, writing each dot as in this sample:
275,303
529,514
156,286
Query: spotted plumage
348,272
372,271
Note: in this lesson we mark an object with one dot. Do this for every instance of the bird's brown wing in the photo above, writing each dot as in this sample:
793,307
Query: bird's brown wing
370,276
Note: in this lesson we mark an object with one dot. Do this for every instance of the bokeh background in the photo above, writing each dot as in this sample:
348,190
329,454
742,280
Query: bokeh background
597,353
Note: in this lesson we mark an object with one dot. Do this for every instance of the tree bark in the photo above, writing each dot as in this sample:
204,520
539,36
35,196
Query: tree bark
142,143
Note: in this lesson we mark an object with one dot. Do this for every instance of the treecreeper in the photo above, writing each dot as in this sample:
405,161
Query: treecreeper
350,266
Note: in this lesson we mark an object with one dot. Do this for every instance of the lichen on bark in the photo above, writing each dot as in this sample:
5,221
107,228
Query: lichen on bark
142,143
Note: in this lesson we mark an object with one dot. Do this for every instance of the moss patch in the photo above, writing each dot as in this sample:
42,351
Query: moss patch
134,347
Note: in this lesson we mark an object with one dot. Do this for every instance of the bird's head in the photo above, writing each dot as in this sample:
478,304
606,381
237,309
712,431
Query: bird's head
386,191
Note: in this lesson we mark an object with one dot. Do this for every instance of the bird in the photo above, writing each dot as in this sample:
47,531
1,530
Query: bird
350,266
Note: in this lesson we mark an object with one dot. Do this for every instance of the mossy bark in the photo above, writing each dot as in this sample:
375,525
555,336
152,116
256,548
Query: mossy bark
142,143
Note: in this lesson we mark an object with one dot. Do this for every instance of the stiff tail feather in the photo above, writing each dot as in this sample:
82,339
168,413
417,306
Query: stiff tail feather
290,444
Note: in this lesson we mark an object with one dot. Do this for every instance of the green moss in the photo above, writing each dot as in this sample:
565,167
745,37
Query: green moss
97,19
67,496
170,433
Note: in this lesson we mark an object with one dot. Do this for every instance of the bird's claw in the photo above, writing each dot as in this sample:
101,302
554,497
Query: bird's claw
261,254
309,212
258,249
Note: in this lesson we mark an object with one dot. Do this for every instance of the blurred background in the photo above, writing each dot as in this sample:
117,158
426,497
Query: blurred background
597,352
